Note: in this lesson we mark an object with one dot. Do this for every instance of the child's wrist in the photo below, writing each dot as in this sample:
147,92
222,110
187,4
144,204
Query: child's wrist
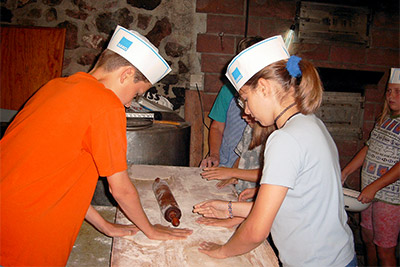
230,213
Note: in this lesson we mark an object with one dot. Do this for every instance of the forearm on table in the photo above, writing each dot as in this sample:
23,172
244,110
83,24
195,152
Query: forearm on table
356,162
255,229
125,193
251,175
95,219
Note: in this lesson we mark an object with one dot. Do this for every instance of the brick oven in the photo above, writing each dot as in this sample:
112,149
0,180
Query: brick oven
346,109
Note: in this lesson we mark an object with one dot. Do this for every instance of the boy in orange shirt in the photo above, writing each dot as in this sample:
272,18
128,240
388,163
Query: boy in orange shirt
72,131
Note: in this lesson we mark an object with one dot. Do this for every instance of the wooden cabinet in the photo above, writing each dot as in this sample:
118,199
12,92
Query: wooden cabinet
30,57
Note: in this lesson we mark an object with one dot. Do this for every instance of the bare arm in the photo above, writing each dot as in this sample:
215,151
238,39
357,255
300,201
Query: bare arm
255,229
128,199
354,164
108,228
391,176
223,173
219,209
214,143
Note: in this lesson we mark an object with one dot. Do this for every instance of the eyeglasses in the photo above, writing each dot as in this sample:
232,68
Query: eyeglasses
241,102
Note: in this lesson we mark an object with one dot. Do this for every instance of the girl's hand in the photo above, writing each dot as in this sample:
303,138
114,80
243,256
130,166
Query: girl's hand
212,250
212,209
248,193
223,183
217,173
227,223
367,194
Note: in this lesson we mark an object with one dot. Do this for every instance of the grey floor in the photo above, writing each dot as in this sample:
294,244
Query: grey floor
92,248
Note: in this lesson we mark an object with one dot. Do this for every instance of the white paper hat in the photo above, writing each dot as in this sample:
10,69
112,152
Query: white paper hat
394,75
255,58
138,50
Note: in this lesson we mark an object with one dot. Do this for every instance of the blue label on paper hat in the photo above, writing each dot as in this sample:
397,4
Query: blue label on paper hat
124,44
237,75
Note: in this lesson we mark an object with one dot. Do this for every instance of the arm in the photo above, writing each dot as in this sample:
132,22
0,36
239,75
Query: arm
223,173
255,229
391,176
128,199
219,209
107,228
214,142
354,164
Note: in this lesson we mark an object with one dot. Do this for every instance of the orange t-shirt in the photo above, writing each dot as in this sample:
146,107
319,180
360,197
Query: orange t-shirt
70,132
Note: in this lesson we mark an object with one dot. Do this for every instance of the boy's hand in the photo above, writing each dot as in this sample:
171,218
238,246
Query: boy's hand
210,161
118,230
161,232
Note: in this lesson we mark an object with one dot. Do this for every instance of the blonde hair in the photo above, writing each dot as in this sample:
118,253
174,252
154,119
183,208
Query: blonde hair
307,89
111,61
260,134
385,110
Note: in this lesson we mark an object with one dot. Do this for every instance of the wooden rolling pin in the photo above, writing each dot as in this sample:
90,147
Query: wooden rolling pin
168,205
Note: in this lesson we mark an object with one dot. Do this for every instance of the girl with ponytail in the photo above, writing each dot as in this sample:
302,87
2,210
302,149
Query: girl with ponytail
300,200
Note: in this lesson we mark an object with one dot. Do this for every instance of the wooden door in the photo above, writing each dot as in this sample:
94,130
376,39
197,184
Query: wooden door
30,57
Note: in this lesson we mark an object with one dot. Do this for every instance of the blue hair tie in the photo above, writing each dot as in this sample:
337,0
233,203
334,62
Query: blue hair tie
292,66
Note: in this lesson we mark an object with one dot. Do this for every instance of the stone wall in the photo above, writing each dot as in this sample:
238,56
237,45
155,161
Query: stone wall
171,25
198,38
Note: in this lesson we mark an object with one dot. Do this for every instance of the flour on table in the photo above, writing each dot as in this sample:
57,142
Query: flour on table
142,239
188,189
196,258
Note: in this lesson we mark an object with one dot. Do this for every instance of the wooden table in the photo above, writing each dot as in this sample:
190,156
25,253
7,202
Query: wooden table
189,189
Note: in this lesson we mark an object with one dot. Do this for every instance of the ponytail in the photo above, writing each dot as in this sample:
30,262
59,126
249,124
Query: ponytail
304,82
308,93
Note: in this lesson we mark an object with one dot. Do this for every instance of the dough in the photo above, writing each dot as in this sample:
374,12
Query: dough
141,239
193,257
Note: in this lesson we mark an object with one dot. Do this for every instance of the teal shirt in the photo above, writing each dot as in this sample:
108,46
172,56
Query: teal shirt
221,104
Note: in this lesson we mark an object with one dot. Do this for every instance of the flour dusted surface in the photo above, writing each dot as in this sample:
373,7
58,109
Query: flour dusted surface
188,189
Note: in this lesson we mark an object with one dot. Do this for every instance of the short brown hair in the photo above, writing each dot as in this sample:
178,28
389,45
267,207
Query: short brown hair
247,42
307,88
111,61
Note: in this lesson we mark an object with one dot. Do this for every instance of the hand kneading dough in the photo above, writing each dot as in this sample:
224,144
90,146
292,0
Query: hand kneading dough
142,239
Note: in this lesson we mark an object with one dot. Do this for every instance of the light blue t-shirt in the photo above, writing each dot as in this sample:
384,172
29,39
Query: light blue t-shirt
226,109
310,228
